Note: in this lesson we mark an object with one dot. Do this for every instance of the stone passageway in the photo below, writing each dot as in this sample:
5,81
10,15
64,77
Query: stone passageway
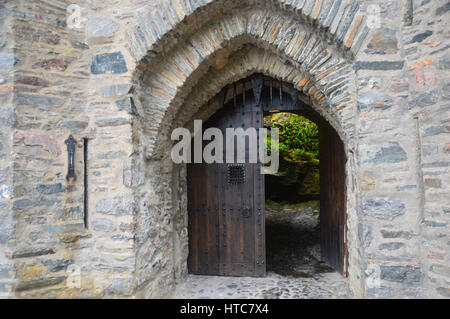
294,269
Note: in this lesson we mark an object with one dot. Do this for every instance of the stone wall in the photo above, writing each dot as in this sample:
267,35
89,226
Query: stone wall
426,46
136,69
7,224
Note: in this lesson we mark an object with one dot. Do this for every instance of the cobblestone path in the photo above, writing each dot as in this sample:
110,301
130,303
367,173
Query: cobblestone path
294,269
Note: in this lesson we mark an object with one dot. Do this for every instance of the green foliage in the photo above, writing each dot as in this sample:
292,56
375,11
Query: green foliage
299,138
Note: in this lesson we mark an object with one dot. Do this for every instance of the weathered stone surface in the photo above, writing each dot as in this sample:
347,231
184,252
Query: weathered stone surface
23,203
122,238
333,13
113,122
445,91
401,274
384,208
114,205
396,234
6,271
436,164
5,288
71,213
367,183
111,155
348,21
444,62
420,37
5,192
433,182
105,264
50,189
28,34
113,63
373,100
131,176
433,130
440,270
52,64
32,99
7,117
379,292
443,291
103,224
411,50
7,60
379,65
121,285
391,246
425,99
55,265
73,125
446,148
32,252
359,42
405,187
40,237
102,27
64,228
115,90
35,220
127,227
7,231
37,143
429,150
79,45
390,152
39,283
399,85
32,80
365,235
433,223
125,104
384,41
442,10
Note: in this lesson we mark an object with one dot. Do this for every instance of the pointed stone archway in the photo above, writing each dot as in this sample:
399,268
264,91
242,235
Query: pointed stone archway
174,89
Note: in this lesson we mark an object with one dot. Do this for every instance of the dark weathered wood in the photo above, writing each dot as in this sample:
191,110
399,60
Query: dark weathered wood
332,199
226,227
226,221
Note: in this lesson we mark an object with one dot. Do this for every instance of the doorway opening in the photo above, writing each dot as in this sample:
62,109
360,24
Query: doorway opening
292,223
293,199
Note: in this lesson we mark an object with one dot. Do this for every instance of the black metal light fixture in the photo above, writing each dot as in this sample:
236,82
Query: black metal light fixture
71,143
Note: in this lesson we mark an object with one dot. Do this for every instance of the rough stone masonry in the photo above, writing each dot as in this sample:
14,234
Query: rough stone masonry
127,72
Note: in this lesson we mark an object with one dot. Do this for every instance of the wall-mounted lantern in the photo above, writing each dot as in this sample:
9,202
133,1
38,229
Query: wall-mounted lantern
71,142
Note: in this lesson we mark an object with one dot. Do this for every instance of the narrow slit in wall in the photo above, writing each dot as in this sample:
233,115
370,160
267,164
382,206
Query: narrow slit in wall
85,148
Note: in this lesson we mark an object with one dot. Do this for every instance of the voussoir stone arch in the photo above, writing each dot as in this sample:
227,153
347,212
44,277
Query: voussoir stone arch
159,26
163,88
200,105
171,86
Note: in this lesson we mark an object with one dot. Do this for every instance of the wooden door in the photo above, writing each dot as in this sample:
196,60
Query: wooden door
332,199
226,204
226,201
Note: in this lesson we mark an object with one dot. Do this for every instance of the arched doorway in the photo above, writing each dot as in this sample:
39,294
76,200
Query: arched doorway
226,200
